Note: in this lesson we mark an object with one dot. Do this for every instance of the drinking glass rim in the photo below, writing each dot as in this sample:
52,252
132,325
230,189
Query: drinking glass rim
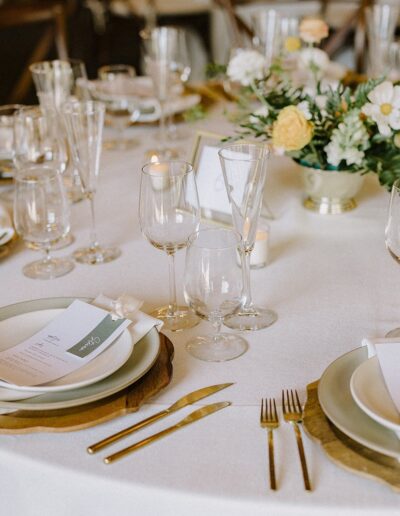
44,66
250,159
68,107
193,236
167,162
30,179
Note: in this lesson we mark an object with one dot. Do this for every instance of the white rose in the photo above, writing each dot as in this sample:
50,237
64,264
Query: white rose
246,66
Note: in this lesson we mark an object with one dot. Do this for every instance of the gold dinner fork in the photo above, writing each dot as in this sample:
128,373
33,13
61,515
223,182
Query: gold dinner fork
292,413
269,419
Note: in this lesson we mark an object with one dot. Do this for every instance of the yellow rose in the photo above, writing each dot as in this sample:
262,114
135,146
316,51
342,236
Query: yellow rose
292,44
313,30
291,130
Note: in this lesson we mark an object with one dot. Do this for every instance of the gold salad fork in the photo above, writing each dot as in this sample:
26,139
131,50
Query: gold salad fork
292,413
269,419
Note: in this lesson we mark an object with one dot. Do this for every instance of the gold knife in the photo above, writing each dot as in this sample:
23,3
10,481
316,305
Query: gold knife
182,402
191,418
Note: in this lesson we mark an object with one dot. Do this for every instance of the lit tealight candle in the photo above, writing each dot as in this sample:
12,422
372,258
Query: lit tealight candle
259,255
159,175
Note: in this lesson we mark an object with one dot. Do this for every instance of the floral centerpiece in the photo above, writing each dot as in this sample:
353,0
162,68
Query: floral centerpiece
316,119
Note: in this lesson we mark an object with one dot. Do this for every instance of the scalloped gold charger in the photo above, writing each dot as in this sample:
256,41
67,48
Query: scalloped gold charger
345,452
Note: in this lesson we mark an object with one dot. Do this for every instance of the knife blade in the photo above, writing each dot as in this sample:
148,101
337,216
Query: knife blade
188,399
191,418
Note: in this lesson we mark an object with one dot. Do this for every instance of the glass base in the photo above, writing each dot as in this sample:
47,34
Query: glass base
217,348
48,269
393,334
96,255
118,144
183,318
256,318
328,206
166,153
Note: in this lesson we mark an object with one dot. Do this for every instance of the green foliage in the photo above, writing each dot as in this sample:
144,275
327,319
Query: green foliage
215,70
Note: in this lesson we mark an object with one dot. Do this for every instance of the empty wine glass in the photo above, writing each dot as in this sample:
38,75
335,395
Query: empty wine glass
381,24
244,167
213,288
159,46
7,141
267,27
121,107
392,233
84,123
169,213
41,217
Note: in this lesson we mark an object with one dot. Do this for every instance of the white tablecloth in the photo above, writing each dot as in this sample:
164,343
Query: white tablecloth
330,280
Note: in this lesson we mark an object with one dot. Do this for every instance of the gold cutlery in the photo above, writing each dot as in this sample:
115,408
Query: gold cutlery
191,418
182,402
292,413
269,420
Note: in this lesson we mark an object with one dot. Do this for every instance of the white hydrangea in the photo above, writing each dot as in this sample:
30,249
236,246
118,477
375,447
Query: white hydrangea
348,142
246,66
261,111
304,107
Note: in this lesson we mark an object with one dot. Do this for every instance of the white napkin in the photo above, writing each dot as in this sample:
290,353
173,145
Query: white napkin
6,228
388,353
124,306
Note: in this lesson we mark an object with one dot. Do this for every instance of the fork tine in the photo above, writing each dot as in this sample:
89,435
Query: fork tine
283,402
290,409
298,401
261,411
293,402
275,412
270,410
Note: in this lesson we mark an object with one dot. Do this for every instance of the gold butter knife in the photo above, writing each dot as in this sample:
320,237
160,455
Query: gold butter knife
191,418
182,402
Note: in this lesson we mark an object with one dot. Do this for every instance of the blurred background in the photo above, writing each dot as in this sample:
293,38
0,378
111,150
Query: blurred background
107,31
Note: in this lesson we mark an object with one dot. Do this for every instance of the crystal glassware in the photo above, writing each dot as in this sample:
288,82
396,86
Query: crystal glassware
169,213
7,146
267,27
381,23
121,109
213,288
160,46
84,123
392,234
41,217
244,167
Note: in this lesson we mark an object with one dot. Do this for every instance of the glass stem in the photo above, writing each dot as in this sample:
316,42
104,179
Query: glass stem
245,255
47,256
172,285
93,234
163,136
217,322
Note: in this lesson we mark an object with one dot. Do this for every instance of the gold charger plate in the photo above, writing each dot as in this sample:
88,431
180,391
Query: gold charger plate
345,452
5,249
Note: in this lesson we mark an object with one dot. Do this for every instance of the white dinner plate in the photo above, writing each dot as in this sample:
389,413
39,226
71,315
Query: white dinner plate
138,363
338,405
20,327
369,391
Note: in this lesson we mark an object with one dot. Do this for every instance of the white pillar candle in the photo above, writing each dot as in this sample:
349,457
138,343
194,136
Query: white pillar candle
259,255
159,175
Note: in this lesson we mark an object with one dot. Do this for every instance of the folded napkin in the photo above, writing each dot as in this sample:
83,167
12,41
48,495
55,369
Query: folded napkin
124,306
6,228
388,353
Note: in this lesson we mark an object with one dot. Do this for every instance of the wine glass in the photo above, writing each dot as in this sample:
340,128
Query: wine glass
41,217
213,288
159,45
244,167
169,213
392,233
120,108
84,123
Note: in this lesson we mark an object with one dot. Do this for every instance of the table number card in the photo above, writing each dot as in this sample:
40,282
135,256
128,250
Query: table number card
67,343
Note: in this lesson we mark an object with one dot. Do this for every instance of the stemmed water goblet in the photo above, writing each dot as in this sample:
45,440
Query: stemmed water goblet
121,108
244,166
84,123
392,234
41,217
169,213
213,288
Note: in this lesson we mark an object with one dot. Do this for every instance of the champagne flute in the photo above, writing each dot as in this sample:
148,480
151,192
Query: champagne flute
392,234
169,213
244,167
159,47
84,123
41,217
119,107
213,288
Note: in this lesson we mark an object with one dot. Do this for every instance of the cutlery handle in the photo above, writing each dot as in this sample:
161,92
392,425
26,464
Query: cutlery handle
93,448
272,479
307,484
140,444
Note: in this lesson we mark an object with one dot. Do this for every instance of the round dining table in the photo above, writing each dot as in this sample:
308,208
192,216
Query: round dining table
330,280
